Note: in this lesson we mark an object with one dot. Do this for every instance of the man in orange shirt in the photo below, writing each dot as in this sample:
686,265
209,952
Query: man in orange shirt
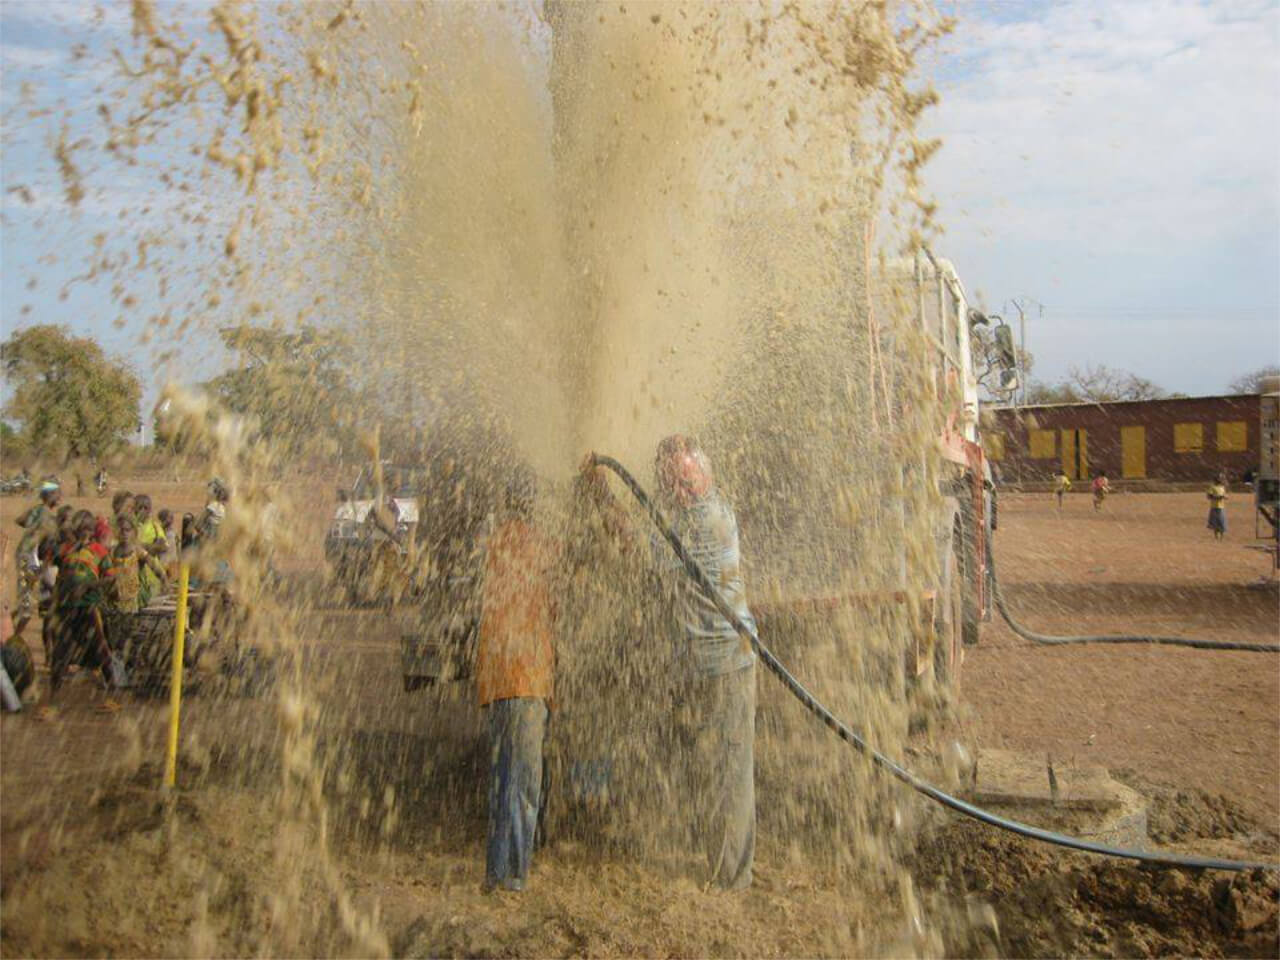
515,668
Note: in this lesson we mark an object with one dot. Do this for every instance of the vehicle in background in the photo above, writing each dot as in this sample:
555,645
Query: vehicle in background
950,613
355,540
19,483
1266,483
926,292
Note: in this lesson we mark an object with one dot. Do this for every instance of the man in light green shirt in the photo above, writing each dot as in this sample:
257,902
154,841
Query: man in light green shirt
151,537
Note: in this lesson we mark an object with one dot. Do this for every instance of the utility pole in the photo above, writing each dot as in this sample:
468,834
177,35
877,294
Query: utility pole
1018,303
1022,351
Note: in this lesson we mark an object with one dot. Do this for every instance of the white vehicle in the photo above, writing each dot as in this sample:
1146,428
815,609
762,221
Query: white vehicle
354,530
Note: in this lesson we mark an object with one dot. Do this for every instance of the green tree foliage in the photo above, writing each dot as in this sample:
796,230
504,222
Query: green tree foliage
13,446
294,384
69,397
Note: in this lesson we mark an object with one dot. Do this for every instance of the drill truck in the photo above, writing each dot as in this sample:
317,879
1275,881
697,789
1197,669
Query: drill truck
950,611
941,599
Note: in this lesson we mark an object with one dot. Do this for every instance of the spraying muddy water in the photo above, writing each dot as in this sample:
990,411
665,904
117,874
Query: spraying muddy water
539,231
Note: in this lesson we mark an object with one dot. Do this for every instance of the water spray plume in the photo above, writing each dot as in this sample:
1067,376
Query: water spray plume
455,242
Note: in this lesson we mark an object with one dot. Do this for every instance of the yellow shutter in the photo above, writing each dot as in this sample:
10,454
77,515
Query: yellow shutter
994,445
1043,444
1133,452
1233,436
1188,437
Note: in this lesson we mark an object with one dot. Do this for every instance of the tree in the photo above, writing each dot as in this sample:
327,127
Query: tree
13,446
1252,382
1094,385
68,396
1040,393
293,384
1102,383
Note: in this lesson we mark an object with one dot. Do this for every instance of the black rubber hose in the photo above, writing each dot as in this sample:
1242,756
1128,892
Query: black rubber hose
811,703
1049,640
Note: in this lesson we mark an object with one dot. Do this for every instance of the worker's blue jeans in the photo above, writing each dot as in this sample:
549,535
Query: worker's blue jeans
517,727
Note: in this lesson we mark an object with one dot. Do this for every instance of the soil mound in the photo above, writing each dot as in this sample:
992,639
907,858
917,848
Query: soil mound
1047,903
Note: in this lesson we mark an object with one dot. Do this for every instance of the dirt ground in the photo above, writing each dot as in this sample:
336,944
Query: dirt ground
254,856
1198,720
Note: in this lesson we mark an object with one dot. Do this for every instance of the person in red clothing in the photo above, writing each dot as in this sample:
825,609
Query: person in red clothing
1101,487
515,678
79,636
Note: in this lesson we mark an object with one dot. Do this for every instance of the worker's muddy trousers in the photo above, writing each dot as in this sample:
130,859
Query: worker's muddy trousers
517,727
724,776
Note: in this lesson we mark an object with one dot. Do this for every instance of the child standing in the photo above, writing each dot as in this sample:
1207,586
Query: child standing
1101,487
171,545
1218,506
1061,484
135,573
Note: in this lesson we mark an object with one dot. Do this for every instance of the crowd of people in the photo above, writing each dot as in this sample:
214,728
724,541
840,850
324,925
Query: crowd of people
74,568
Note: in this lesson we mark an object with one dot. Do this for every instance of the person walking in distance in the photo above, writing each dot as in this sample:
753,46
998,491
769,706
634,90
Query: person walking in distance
720,678
1101,487
1217,496
515,676
1061,485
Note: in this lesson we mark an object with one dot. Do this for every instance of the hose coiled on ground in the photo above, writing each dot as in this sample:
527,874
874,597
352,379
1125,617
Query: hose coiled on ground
845,733
1048,640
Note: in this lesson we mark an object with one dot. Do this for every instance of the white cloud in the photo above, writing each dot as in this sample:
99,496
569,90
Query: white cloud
1105,154
18,57
76,14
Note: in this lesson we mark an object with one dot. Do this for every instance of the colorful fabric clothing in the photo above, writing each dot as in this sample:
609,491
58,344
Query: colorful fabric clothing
79,575
28,589
36,523
126,583
1062,483
514,655
77,640
1217,495
709,531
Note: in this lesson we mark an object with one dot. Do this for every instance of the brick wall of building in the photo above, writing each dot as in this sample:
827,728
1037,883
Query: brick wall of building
1188,439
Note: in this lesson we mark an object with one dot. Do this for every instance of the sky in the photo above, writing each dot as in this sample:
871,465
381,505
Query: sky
1117,164
1114,166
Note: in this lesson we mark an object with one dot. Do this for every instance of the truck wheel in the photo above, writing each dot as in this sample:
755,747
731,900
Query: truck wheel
950,637
966,568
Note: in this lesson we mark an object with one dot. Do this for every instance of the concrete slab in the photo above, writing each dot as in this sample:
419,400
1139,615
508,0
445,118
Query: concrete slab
1080,799
1007,776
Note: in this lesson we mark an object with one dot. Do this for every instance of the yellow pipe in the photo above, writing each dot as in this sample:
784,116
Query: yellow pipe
175,682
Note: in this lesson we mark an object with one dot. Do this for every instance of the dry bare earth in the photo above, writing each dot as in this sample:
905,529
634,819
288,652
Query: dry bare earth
92,862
